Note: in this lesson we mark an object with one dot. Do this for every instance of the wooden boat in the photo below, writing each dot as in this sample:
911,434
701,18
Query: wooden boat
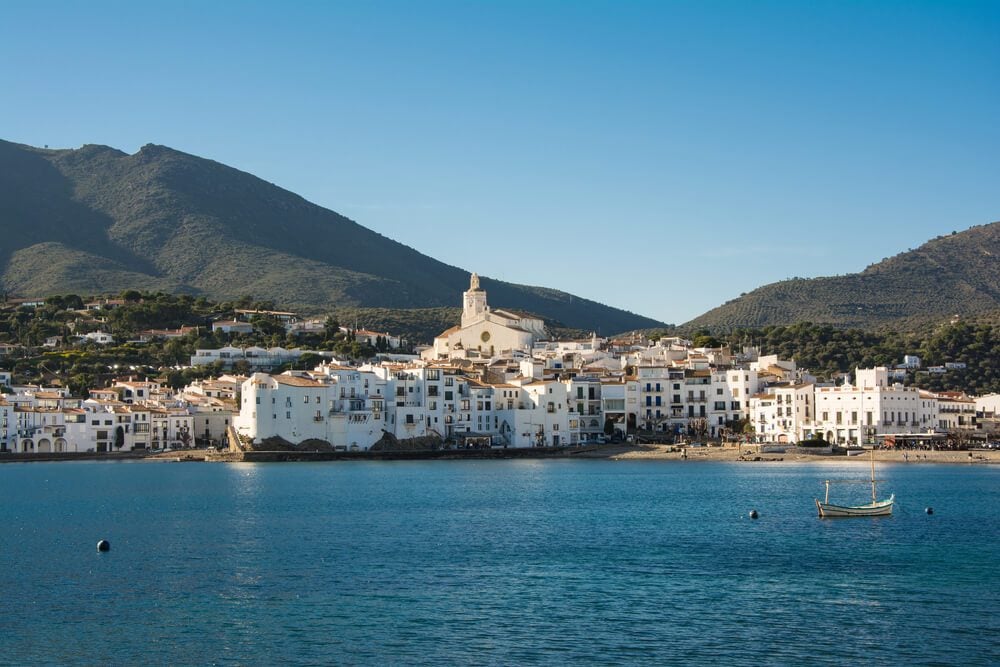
875,508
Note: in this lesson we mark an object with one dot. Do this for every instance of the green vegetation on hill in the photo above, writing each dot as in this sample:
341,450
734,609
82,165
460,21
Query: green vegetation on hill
96,220
84,365
957,274
823,349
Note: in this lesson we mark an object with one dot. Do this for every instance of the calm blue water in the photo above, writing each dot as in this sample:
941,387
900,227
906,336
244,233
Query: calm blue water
495,562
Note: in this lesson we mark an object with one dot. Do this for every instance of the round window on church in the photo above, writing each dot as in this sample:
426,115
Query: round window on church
485,337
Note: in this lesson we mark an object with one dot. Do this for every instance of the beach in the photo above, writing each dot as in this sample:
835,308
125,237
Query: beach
751,453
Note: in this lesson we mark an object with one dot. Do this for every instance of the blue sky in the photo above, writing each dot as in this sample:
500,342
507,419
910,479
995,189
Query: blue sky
662,157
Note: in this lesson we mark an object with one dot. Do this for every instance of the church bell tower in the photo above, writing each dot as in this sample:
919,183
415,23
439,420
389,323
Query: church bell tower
474,304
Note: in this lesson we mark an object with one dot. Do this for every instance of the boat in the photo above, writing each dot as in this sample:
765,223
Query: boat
875,508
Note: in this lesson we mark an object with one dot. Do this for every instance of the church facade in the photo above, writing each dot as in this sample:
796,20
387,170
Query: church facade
485,333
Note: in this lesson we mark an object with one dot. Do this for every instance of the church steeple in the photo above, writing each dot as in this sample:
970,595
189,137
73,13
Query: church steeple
474,303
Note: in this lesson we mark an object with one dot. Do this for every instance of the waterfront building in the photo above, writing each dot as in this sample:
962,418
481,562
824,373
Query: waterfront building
301,407
956,412
783,413
6,424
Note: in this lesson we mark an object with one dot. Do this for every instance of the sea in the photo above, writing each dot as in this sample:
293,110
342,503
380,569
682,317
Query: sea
507,562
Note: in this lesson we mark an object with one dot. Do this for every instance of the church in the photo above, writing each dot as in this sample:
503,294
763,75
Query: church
485,333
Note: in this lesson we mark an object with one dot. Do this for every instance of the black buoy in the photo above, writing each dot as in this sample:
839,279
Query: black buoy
929,510
753,514
104,545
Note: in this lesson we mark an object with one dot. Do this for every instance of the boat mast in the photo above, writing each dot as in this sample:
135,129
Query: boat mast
872,451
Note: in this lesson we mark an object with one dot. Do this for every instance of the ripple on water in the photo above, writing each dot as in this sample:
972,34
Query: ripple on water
522,562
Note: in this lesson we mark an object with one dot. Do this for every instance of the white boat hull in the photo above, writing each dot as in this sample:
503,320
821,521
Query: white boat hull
879,508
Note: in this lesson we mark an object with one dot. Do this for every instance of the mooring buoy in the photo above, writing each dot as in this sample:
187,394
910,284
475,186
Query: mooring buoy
104,545
753,514
929,510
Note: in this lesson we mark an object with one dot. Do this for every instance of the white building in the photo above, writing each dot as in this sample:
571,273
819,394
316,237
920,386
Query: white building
298,408
485,333
783,413
257,358
872,407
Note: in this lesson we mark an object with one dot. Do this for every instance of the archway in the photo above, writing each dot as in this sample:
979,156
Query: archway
61,445
27,445
44,446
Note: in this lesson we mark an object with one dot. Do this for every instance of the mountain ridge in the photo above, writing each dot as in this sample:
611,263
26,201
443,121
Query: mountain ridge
99,220
956,274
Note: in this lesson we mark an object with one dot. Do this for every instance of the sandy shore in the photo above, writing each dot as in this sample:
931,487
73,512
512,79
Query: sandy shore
750,454
745,453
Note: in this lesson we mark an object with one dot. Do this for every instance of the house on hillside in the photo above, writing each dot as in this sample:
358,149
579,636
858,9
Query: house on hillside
232,326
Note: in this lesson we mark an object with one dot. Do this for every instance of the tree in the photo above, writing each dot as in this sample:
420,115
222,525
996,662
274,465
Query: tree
698,427
331,327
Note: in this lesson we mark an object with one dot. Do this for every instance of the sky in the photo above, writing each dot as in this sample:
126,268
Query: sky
661,157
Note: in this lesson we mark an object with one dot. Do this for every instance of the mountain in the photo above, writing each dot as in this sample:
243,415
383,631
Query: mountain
96,221
951,275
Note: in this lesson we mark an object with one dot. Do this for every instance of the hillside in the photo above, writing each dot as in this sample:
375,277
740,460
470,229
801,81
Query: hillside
957,274
97,220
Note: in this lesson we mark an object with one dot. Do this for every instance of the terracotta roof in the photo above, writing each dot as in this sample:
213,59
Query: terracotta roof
296,381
